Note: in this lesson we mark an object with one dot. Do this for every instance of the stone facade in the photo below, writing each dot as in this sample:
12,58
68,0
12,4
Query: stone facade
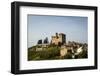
58,39
65,49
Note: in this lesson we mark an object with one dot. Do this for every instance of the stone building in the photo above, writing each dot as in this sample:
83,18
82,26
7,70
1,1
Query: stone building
58,39
65,49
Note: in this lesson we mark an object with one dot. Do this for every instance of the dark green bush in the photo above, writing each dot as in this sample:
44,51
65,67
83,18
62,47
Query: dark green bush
48,53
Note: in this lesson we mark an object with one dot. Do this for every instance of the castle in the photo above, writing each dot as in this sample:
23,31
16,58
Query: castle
58,39
72,48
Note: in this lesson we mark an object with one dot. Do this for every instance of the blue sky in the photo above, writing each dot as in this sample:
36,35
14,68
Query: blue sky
42,26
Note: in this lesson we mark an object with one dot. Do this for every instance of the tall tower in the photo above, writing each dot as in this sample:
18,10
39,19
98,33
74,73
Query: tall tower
62,38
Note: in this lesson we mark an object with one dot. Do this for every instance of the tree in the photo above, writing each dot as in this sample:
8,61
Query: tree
39,41
46,40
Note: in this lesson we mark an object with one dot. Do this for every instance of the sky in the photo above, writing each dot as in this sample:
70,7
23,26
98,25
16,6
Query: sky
42,26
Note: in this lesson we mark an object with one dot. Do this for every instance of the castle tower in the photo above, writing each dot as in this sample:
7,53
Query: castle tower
62,38
58,38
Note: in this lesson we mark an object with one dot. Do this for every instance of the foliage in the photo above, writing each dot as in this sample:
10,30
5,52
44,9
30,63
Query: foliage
68,56
47,53
83,55
51,52
39,41
46,40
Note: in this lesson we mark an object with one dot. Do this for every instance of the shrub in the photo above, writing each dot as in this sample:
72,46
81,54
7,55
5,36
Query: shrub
48,53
